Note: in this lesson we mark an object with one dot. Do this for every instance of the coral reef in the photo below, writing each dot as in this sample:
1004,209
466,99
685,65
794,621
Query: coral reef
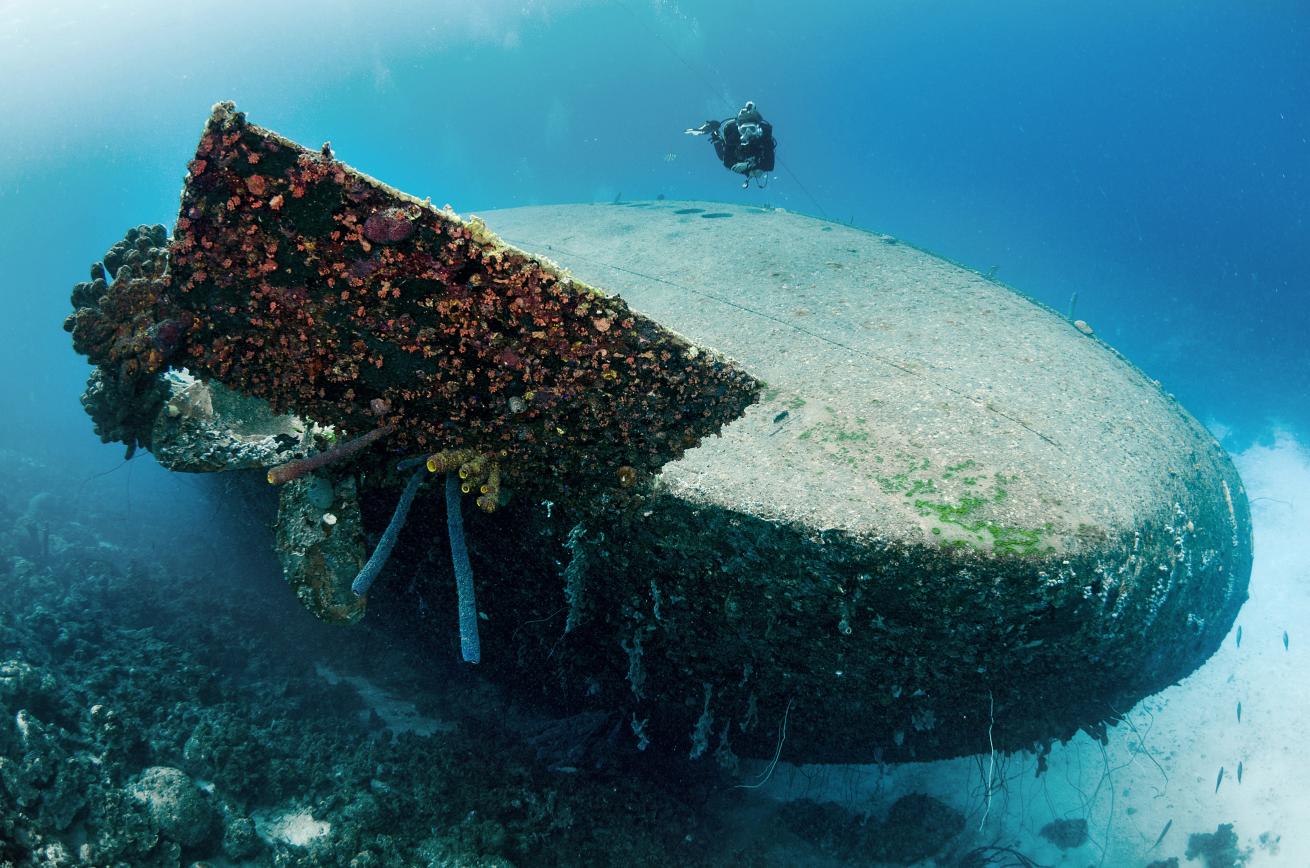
124,315
1218,849
1066,834
124,409
124,322
155,716
175,804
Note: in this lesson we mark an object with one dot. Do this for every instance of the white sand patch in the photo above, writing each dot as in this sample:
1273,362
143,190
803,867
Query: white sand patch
297,828
1164,771
399,715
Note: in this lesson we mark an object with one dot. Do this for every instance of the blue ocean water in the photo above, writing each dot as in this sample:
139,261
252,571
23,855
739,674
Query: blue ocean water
1152,160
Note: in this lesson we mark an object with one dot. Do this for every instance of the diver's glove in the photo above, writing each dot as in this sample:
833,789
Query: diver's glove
707,127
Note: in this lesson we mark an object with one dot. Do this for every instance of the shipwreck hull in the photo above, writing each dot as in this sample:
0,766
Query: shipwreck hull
780,485
953,517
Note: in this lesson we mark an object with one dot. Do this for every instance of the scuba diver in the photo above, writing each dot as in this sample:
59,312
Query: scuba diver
745,144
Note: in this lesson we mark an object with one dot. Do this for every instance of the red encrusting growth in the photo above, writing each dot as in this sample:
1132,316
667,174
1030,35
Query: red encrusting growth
334,296
300,466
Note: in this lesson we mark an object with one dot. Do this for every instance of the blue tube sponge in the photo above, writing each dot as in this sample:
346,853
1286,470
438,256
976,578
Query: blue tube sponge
469,644
366,576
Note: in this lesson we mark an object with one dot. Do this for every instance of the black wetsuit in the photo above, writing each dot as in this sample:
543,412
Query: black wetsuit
753,156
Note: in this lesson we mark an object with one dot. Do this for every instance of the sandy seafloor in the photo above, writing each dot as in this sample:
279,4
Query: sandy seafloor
134,637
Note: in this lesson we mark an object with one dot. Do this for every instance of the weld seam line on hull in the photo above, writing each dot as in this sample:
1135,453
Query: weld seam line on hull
525,245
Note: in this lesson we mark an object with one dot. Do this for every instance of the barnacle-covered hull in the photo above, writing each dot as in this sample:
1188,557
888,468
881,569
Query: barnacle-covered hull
331,295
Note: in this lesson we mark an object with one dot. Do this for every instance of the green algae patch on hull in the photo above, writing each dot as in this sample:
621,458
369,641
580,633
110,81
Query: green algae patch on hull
947,500
326,293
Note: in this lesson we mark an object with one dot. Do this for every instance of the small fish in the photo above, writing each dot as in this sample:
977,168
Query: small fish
780,417
1239,712
1284,640
1239,635
1163,832
1239,773
1219,780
